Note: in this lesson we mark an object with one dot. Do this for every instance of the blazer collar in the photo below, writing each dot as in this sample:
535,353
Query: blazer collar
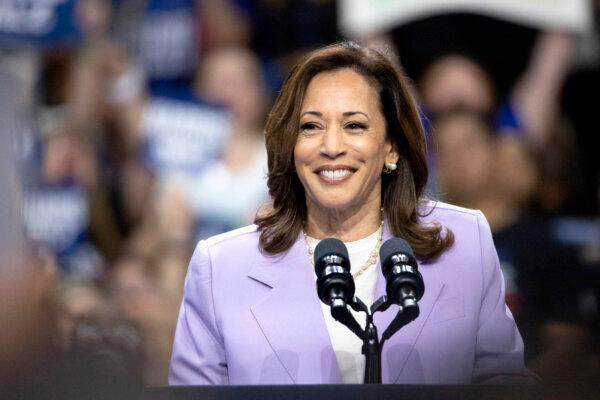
291,318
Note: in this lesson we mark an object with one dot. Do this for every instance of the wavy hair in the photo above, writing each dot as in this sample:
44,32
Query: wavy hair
402,190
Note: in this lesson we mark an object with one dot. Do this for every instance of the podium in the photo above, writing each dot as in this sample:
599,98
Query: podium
345,392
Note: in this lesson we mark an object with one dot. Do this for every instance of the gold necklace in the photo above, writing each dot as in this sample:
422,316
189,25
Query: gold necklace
370,261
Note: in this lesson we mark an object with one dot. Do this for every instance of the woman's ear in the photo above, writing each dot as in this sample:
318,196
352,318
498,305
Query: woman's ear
393,155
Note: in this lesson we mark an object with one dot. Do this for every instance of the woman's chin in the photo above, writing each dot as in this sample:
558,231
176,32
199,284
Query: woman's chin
334,205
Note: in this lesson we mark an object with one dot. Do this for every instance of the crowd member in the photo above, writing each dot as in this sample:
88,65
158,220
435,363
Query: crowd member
65,204
232,77
465,179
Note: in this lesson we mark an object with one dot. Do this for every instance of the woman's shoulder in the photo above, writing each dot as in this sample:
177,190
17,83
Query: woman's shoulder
472,234
237,249
432,211
244,239
245,232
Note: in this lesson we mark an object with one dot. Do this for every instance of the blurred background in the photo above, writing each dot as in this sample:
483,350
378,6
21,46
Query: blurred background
130,129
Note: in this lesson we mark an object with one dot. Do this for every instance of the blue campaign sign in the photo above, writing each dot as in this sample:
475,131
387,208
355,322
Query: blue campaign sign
182,136
56,216
41,22
166,40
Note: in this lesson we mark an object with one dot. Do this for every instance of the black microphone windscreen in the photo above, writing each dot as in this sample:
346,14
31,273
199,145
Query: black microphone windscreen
330,246
393,246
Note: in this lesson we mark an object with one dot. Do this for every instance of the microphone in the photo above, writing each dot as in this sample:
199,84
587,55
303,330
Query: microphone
404,283
335,285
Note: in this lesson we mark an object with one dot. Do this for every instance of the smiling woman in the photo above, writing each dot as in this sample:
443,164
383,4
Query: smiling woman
346,159
340,152
363,91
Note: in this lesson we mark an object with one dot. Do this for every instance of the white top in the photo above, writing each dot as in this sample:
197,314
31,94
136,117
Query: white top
230,196
346,345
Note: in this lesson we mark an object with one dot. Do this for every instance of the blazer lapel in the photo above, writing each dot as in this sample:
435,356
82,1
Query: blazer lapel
291,318
397,349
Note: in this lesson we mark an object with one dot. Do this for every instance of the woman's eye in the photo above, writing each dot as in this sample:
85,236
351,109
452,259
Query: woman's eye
309,126
355,126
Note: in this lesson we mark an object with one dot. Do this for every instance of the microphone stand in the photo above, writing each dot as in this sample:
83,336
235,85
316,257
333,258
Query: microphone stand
372,347
372,351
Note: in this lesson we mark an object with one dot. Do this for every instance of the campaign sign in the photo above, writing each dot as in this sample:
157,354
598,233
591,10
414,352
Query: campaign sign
182,136
56,216
166,40
43,22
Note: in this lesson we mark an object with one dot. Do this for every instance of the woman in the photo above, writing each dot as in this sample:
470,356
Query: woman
347,159
232,77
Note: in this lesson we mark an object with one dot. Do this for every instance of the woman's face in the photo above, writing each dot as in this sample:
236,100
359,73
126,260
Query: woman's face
342,145
456,80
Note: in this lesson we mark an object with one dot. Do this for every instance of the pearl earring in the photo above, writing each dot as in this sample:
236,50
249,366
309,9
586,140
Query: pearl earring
389,167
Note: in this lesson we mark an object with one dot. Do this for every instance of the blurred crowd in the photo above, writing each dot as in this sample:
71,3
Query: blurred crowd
137,130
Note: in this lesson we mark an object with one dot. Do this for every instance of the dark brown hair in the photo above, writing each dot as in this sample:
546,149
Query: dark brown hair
402,190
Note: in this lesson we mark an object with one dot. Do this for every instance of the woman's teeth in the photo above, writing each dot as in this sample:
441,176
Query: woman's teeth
335,174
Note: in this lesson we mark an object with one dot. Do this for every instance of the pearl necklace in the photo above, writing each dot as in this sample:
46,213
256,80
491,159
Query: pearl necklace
370,261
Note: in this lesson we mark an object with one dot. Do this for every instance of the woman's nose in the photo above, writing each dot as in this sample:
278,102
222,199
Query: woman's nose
333,144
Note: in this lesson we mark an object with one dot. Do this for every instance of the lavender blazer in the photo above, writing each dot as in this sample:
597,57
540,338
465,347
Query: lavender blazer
247,318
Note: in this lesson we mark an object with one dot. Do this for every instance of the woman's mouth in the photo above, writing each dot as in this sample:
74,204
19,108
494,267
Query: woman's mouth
335,175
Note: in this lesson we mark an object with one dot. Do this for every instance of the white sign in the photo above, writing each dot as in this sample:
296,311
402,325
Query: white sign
363,17
57,217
